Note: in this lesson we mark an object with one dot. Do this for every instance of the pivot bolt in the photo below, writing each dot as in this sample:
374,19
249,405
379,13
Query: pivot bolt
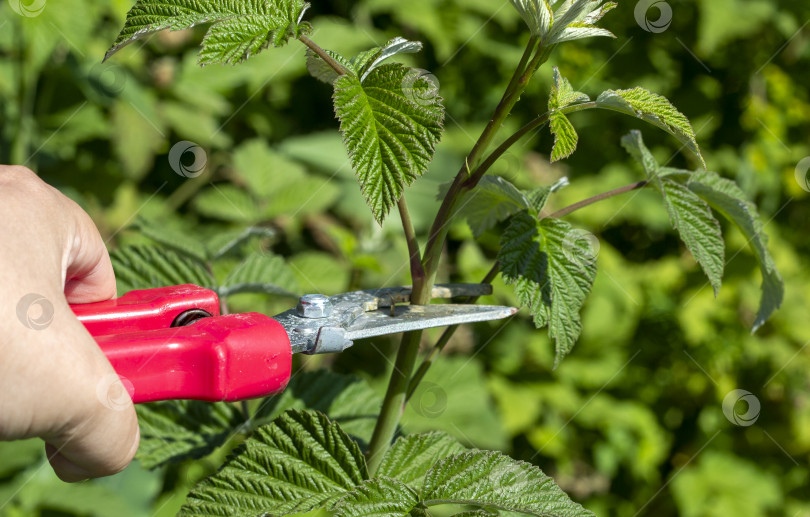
314,306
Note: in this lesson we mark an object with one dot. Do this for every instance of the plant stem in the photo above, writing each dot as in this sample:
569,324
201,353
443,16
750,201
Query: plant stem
595,199
531,45
462,182
444,339
337,67
417,271
394,401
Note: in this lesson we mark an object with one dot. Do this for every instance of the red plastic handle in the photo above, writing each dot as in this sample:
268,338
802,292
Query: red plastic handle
233,357
146,309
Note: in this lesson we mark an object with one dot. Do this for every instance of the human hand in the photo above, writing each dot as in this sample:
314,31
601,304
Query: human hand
55,383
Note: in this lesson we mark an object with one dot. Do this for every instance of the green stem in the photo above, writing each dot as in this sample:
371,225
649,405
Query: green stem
394,402
531,46
417,272
444,339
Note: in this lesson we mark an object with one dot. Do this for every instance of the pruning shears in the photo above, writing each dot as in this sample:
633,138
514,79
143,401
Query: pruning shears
172,343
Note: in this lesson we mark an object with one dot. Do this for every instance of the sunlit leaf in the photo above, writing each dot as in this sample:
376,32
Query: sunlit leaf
391,123
725,197
299,462
239,29
552,269
656,110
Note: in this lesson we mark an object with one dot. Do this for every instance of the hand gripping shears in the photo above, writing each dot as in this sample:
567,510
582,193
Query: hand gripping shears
172,343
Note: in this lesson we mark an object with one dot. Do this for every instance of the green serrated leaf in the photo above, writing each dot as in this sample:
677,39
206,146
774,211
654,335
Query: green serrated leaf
690,215
380,496
697,226
565,137
409,459
239,29
491,479
365,62
391,123
562,93
656,110
581,30
725,197
236,39
145,267
175,240
633,143
175,430
345,399
552,268
299,462
260,273
538,197
493,200
556,21
536,13
575,20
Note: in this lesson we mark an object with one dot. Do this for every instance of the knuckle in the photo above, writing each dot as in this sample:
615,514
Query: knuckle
26,180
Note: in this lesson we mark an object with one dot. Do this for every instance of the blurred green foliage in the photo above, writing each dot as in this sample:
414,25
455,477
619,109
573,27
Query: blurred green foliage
632,422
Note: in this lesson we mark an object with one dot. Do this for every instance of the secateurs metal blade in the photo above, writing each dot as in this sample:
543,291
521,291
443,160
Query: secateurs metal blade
172,342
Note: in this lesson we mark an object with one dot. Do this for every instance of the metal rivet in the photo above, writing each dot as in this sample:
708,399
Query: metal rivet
314,306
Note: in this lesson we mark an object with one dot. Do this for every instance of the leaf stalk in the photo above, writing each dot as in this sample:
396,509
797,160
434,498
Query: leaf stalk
337,67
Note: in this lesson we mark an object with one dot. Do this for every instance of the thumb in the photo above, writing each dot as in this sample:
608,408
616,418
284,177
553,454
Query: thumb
88,273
